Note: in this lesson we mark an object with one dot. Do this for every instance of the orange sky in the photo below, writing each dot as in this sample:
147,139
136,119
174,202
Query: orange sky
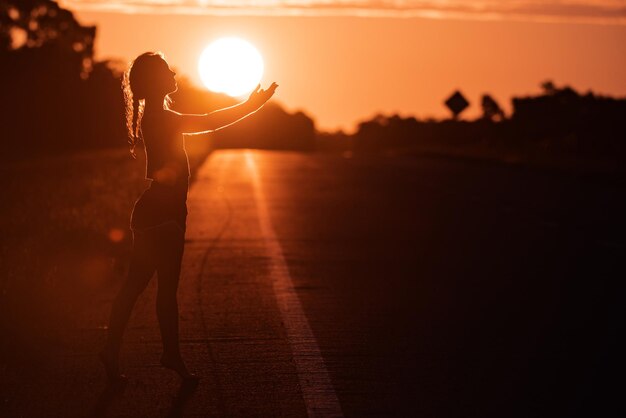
342,69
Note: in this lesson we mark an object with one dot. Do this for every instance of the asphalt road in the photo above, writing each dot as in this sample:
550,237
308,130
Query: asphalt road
328,286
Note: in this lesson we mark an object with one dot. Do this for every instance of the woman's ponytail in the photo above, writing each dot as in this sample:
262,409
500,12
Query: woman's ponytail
138,75
135,128
130,110
134,112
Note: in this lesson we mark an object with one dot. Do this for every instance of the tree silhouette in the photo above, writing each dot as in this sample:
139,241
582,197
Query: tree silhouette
548,87
42,23
491,108
7,16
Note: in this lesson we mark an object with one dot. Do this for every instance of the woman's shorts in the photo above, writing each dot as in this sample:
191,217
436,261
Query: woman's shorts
160,204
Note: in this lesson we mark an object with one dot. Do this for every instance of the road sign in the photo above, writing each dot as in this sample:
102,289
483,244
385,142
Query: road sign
457,103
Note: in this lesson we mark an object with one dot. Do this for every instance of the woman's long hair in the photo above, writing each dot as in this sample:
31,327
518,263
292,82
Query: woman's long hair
136,83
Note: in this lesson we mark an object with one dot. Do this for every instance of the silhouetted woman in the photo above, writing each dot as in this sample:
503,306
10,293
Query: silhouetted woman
158,218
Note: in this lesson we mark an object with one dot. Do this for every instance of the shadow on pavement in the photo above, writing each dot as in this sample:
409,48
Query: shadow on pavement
111,391
185,392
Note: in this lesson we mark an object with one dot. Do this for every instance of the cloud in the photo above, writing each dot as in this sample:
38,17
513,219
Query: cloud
587,11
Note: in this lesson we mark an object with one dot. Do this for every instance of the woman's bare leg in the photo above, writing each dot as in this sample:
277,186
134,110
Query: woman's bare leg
168,272
141,270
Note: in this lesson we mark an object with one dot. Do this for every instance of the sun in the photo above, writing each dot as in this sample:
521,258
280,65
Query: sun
230,65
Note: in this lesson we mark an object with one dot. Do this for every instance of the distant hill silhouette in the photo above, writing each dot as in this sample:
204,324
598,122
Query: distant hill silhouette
273,128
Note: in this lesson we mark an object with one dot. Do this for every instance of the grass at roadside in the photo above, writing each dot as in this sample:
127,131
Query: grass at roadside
64,240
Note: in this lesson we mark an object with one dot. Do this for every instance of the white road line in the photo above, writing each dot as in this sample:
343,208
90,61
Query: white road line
317,389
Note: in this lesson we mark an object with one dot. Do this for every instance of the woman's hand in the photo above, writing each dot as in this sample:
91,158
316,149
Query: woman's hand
258,97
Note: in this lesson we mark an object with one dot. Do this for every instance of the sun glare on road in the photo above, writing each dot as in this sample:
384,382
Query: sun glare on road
230,65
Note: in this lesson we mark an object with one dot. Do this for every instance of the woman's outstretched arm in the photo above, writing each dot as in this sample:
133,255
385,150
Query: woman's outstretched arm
221,118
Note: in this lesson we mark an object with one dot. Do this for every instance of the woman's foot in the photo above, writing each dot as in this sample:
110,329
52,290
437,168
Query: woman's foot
111,366
177,364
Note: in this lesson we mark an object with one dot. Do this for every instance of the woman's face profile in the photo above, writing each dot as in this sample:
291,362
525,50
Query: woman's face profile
169,78
164,78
